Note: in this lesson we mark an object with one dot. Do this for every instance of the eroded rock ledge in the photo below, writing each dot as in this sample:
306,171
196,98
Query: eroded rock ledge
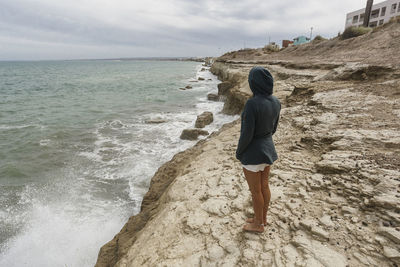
117,248
335,189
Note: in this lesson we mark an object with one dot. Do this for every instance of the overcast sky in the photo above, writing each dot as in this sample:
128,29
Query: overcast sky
76,29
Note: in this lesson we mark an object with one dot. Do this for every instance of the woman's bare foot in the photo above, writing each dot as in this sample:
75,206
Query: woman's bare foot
251,220
252,227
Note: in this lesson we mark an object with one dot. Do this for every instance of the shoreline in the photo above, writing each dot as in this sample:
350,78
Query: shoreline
334,187
116,248
104,152
324,210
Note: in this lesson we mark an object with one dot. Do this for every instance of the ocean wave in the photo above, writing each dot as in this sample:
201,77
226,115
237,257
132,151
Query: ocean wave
82,204
14,127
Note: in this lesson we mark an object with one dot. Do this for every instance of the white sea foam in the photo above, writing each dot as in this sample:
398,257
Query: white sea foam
56,237
13,127
44,142
69,220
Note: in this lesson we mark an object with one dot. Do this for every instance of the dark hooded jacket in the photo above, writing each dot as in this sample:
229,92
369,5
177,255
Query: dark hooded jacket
259,121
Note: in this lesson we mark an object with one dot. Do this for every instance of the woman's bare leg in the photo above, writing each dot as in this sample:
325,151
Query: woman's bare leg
266,194
254,181
265,191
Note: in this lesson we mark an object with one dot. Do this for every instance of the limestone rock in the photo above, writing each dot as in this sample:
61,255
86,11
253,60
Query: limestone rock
386,201
215,252
348,210
192,134
204,119
321,253
224,87
390,233
155,121
391,253
326,221
335,183
358,72
213,97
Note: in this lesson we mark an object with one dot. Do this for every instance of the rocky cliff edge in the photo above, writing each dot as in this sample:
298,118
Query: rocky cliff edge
335,188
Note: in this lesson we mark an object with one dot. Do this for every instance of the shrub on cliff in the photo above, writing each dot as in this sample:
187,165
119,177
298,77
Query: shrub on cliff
354,32
319,38
271,48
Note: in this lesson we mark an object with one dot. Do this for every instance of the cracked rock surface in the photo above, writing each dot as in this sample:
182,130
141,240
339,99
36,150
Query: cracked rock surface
335,188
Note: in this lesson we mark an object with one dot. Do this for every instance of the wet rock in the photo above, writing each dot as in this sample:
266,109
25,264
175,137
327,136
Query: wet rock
192,134
155,121
224,87
201,79
204,119
188,87
213,97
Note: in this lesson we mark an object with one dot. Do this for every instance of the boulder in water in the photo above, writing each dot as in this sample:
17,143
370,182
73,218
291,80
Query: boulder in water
155,121
204,119
213,97
224,87
192,134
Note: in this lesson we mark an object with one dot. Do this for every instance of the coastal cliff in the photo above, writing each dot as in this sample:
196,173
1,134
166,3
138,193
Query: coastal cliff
335,188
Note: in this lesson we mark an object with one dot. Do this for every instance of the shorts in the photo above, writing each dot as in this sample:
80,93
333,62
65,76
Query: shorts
255,168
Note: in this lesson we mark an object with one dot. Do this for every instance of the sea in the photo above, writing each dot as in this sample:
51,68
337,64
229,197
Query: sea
78,147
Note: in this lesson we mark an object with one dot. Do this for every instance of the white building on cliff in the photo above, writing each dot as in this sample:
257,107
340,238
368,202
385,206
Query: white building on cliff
380,14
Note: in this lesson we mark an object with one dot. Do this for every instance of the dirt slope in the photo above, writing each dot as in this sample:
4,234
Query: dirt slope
379,47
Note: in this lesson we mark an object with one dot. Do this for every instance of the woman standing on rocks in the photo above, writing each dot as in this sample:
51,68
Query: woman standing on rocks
256,150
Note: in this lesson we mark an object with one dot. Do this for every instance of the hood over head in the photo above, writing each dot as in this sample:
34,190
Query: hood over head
261,81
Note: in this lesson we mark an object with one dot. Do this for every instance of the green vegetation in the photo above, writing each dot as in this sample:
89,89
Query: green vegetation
319,38
271,48
354,32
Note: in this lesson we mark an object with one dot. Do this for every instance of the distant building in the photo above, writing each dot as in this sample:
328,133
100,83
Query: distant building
272,46
301,40
380,14
286,43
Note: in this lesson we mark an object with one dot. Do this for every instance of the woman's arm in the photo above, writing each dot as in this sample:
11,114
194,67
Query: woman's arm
247,128
277,119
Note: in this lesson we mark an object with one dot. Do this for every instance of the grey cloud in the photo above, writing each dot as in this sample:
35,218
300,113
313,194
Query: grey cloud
203,27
